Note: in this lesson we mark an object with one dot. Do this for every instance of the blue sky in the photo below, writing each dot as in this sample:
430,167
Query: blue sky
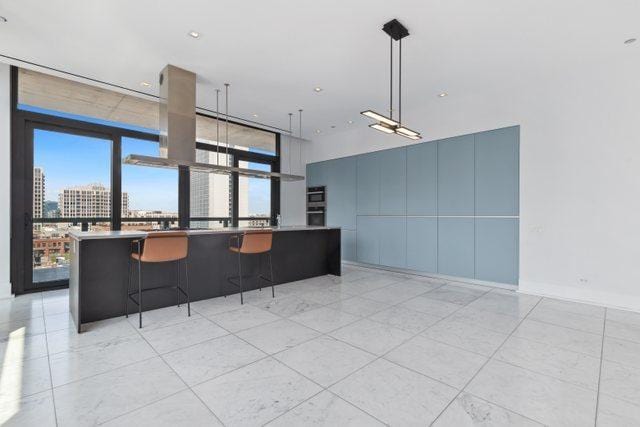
71,160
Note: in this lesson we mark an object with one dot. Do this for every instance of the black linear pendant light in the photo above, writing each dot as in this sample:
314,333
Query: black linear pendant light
396,32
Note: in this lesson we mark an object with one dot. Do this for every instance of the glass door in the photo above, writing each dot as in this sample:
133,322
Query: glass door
71,190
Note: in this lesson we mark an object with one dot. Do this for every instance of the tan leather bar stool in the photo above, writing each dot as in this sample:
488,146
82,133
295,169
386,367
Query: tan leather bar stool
165,246
251,243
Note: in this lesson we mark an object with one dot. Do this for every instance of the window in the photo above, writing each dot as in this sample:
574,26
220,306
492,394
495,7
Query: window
254,197
211,193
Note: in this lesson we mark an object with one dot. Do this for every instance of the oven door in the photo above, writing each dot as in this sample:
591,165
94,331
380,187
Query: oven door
317,197
315,218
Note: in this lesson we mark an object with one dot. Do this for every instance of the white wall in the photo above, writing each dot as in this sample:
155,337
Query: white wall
5,181
579,171
292,194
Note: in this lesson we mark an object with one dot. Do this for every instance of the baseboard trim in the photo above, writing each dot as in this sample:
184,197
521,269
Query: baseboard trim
584,296
434,276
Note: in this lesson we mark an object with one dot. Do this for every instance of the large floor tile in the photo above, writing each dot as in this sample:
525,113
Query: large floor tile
181,409
21,347
567,319
573,307
23,378
406,319
255,394
395,395
442,362
396,292
325,409
105,396
620,381
455,294
374,337
18,308
277,336
496,322
324,319
50,308
576,368
35,410
621,330
505,302
288,306
352,274
371,283
539,397
325,360
623,316
212,358
167,316
209,307
23,327
325,296
467,336
94,333
558,336
622,351
433,307
616,413
358,306
183,334
58,322
73,365
470,411
244,318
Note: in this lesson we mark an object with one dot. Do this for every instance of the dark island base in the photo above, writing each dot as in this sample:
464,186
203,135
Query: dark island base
99,270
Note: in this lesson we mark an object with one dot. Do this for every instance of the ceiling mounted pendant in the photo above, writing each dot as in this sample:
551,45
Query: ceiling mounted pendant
396,32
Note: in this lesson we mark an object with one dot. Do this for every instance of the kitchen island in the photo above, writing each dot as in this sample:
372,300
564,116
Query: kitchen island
100,267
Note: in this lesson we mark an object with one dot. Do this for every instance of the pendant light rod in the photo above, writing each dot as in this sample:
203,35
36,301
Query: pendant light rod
290,133
217,127
300,128
400,82
226,118
391,77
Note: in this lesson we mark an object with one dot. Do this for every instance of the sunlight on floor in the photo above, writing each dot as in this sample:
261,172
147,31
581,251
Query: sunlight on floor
11,376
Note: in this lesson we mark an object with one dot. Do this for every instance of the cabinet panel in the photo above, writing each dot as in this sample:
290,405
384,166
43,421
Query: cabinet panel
341,193
368,184
393,181
422,244
497,164
422,179
392,232
456,176
348,240
456,247
317,174
367,238
497,250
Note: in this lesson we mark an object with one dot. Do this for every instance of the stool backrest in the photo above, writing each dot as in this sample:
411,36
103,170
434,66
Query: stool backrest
256,242
165,246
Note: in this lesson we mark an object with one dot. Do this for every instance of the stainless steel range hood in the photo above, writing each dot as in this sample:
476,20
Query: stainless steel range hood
178,130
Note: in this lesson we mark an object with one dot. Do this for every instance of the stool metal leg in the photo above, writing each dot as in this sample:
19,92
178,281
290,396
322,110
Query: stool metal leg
186,273
240,278
273,292
140,293
178,282
126,293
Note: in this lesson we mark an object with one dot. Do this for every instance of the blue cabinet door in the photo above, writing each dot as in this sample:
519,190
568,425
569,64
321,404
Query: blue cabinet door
317,174
392,232
367,240
393,181
348,240
341,193
497,171
422,244
456,249
368,184
456,176
422,179
497,250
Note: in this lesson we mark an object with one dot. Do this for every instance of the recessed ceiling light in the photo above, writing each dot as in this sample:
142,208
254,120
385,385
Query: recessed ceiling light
333,126
3,19
145,84
317,89
629,41
194,34
443,94
255,115
318,131
350,122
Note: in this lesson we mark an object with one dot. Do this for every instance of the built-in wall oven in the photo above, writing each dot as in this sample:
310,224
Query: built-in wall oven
316,206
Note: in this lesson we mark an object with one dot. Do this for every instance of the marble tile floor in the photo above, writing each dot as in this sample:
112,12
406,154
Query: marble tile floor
365,349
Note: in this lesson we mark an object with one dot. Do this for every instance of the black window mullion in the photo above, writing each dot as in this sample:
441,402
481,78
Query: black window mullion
116,182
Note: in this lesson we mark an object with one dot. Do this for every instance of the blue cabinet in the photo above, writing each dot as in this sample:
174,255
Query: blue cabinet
392,235
348,240
422,179
341,193
368,184
317,174
497,171
422,244
497,250
456,176
456,250
393,181
367,239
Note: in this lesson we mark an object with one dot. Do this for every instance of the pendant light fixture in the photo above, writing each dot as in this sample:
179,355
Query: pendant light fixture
396,32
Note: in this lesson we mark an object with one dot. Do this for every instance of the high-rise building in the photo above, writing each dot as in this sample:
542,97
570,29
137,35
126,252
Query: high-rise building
88,201
211,194
38,192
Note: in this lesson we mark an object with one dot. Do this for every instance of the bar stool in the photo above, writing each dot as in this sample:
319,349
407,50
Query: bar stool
251,243
158,247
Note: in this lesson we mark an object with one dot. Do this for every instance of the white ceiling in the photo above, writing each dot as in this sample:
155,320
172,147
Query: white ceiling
275,52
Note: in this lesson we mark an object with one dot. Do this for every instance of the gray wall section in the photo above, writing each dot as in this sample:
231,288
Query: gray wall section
449,207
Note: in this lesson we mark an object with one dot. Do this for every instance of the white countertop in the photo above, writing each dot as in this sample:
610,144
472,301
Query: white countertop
132,234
